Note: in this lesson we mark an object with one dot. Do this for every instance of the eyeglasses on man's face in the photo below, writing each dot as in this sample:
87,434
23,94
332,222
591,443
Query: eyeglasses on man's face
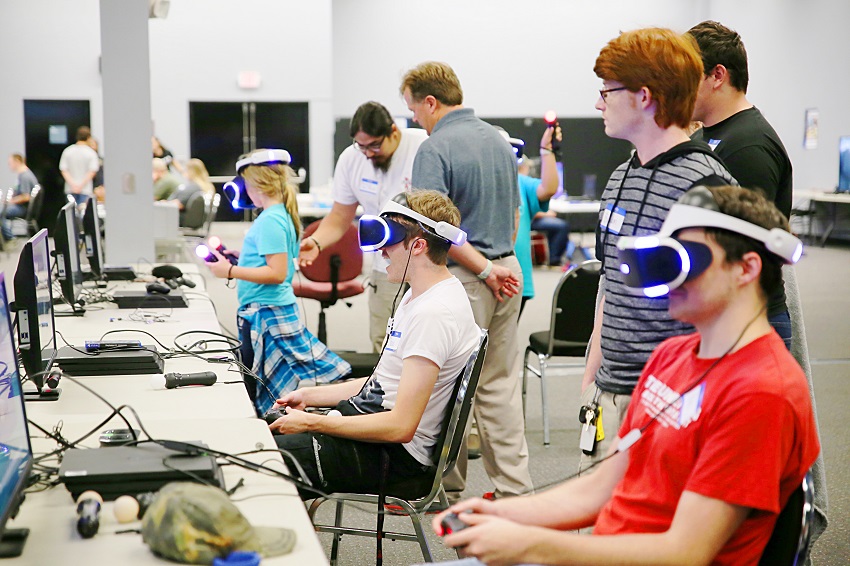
374,147
604,92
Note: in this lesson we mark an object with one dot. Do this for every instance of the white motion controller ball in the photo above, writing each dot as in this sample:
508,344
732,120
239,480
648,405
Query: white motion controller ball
126,509
90,494
334,413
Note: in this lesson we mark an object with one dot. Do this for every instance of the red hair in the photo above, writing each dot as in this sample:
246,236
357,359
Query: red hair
665,62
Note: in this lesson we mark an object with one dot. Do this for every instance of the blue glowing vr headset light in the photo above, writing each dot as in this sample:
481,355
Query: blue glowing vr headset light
234,190
377,232
659,263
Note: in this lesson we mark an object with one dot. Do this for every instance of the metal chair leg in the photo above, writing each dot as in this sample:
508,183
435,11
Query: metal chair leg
420,534
337,523
544,399
524,379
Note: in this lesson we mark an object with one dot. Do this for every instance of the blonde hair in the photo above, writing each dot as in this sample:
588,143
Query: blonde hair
275,180
439,208
196,172
435,79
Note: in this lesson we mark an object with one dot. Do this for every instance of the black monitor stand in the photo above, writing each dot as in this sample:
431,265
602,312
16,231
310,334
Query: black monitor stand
43,395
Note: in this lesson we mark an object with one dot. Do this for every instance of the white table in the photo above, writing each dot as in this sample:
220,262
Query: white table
832,198
220,416
265,501
564,206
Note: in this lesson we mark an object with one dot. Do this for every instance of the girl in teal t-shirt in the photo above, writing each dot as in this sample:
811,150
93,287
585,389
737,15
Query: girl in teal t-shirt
276,345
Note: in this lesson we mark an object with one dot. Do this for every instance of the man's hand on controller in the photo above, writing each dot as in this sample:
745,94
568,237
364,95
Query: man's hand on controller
293,400
294,421
489,538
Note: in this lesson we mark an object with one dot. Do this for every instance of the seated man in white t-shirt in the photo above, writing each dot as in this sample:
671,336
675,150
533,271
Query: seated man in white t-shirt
399,410
375,168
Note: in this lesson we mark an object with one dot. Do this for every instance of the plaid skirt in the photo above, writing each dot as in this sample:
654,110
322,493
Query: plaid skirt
286,353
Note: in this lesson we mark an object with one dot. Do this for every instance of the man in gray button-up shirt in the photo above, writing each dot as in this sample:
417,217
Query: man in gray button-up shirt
469,160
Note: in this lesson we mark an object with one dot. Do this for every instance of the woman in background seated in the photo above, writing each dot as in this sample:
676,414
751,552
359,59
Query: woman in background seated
198,180
275,344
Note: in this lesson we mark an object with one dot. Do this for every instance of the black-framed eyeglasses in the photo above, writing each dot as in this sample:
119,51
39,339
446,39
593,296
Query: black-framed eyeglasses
374,147
604,92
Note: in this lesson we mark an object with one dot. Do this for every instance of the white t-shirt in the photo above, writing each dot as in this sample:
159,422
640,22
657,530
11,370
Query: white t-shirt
78,160
356,180
439,326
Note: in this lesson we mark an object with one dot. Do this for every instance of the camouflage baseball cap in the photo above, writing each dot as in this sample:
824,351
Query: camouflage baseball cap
194,524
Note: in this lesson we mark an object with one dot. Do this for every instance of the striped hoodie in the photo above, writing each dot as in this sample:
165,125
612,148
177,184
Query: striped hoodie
640,195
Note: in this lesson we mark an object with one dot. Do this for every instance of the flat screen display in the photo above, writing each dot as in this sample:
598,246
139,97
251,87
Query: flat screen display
844,164
15,450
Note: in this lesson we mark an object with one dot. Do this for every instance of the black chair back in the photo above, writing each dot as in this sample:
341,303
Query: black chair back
34,207
574,305
195,212
457,416
789,542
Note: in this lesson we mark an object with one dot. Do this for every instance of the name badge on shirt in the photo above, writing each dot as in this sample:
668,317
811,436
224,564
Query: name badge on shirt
368,186
392,343
613,218
691,405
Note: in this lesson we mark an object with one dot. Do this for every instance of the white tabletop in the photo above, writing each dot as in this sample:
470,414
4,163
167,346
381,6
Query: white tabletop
264,500
565,206
220,415
822,196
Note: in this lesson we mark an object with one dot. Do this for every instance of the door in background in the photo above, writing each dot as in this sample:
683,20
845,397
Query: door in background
49,127
221,131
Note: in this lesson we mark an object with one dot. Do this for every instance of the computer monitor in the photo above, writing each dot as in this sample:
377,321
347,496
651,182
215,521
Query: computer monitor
92,238
66,248
34,308
843,164
16,458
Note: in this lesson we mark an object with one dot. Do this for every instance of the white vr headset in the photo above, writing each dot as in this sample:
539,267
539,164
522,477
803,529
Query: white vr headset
659,263
234,190
377,232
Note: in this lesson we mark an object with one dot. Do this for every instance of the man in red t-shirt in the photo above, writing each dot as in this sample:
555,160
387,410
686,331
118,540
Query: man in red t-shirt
720,430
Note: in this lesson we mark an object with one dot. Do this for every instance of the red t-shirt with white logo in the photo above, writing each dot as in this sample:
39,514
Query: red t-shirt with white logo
745,434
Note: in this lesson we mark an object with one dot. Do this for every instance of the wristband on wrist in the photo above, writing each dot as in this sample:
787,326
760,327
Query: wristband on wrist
229,271
485,273
318,245
546,151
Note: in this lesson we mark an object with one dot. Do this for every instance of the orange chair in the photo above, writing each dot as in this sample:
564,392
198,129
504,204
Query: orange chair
333,275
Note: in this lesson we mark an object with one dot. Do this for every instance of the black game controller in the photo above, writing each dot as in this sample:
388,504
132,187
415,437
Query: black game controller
158,287
273,414
451,523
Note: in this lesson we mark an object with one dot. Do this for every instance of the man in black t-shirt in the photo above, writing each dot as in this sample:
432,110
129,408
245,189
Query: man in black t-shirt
755,156
740,135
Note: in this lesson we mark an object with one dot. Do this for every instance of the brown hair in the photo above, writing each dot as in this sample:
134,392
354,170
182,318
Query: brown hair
435,79
753,207
83,133
19,158
719,45
439,208
275,180
665,62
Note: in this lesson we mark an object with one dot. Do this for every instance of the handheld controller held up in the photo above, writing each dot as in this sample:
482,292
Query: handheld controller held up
451,523
551,119
216,244
203,252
